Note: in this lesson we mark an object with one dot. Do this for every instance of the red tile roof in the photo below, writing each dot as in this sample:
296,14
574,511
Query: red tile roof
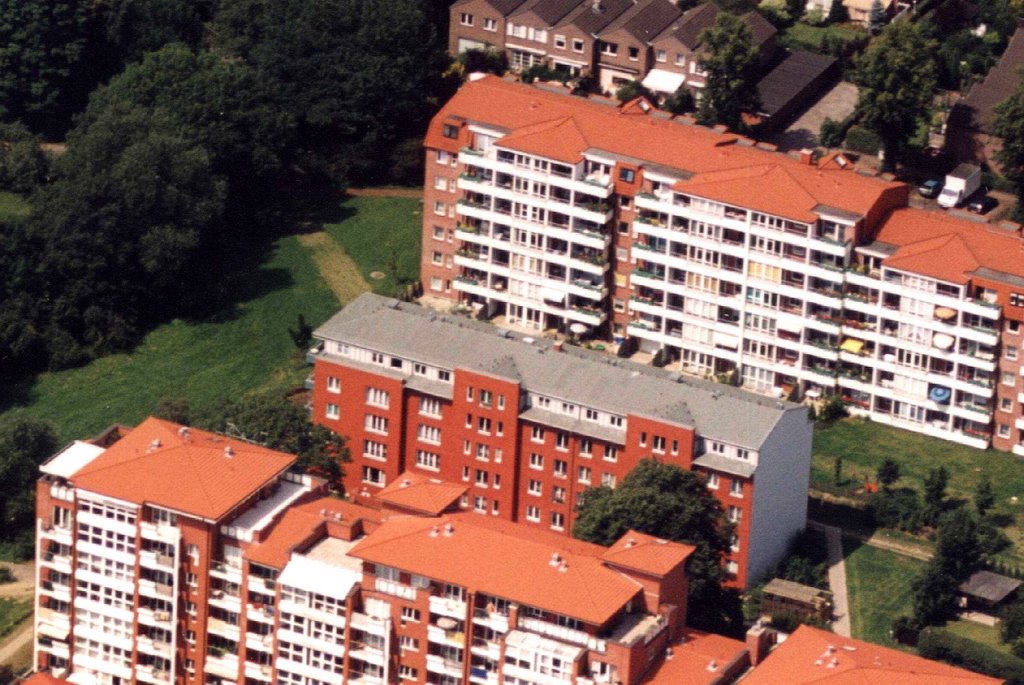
302,524
811,655
699,659
421,493
190,471
646,553
540,574
942,246
562,127
43,679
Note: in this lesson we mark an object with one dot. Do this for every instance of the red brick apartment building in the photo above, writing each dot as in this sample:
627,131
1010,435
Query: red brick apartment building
546,211
527,425
172,555
616,41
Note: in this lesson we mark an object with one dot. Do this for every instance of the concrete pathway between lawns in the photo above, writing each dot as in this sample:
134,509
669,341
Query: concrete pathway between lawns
836,578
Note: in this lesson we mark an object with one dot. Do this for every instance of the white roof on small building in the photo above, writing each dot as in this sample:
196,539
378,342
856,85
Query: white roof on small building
71,459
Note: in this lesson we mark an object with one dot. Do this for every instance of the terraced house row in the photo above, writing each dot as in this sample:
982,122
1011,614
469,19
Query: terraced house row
789,275
615,41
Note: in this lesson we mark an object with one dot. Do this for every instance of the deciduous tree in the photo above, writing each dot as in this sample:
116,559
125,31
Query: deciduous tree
897,79
671,503
1009,126
888,472
25,443
731,66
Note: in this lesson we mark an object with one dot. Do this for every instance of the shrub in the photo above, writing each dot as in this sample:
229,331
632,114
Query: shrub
23,166
660,358
6,576
899,508
632,90
831,134
628,347
905,630
539,72
680,102
863,140
489,60
935,643
833,410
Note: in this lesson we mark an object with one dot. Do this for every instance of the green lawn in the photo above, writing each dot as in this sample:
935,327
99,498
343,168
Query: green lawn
12,205
988,635
878,589
809,37
13,612
382,234
242,350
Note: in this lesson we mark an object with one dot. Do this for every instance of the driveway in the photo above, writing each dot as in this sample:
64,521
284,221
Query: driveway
836,104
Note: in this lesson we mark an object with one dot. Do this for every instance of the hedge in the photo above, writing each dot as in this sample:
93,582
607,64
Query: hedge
860,139
936,643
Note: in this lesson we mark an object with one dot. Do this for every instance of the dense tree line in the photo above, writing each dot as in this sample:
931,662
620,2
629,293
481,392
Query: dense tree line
179,167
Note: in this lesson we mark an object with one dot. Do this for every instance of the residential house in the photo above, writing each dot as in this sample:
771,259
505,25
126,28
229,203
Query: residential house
529,31
478,24
624,47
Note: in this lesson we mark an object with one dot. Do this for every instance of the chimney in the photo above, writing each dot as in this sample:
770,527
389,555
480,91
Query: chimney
807,156
759,641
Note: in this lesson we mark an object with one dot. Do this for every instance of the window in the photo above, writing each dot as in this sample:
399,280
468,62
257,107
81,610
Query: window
1004,430
680,59
469,420
1013,326
536,461
713,481
410,614
431,434
449,131
430,406
537,434
484,425
611,453
373,476
561,468
735,514
675,447
534,487
577,45
660,55
483,452
333,384
442,157
627,175
501,401
533,514
643,438
486,398
409,644
331,411
608,479
634,54
586,447
465,473
375,450
469,393
558,495
376,424
562,441
559,42
736,488
732,568
583,475
436,258
1008,378
1010,352
658,444
428,460
490,24
408,672
742,453
466,19
439,207
375,397
609,49
557,520
480,504
444,376
481,478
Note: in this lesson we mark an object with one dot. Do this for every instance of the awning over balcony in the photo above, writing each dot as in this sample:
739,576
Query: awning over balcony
726,340
663,81
552,295
852,345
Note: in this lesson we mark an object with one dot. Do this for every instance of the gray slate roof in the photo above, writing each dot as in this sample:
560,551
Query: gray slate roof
646,19
977,110
502,7
989,586
576,375
790,78
591,21
549,12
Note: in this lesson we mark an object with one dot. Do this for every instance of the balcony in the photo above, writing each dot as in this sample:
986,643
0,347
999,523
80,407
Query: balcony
259,612
494,620
390,587
441,665
160,619
148,674
444,606
150,646
154,589
442,636
367,652
156,560
576,637
59,534
258,672
222,664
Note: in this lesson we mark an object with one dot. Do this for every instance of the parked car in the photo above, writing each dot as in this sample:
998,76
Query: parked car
930,188
982,205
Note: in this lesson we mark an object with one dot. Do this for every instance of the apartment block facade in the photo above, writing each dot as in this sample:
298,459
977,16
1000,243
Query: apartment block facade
526,426
236,570
616,41
789,275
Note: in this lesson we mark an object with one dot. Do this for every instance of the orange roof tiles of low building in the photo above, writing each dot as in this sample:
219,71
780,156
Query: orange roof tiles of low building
699,659
457,550
301,523
43,679
951,249
421,493
646,553
812,655
187,470
562,127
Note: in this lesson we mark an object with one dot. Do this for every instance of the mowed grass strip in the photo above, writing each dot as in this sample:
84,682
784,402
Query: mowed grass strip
244,349
381,234
12,206
339,271
878,587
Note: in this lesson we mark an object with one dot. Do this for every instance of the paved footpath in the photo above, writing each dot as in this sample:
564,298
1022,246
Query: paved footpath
836,578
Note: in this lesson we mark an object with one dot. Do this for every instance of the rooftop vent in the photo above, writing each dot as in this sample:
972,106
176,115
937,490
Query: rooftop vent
668,653
713,666
229,452
630,543
155,445
555,559
449,530
435,531
563,567
183,432
406,483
